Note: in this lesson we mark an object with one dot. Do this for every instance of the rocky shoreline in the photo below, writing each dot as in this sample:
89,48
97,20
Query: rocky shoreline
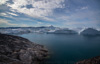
18,50
95,60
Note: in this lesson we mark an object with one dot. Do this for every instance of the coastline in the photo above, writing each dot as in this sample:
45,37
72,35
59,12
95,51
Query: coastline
94,60
18,50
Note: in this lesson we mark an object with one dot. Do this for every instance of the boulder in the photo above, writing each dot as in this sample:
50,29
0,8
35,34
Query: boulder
95,60
18,50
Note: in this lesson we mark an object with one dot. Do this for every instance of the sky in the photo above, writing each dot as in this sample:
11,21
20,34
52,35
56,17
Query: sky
60,13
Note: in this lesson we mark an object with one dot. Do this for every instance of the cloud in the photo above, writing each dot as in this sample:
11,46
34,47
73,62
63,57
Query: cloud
6,15
3,14
81,16
60,12
37,9
6,22
13,14
85,18
83,8
3,1
23,25
39,23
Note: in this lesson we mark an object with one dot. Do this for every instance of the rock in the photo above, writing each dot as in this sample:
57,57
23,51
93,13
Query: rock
90,32
95,60
18,50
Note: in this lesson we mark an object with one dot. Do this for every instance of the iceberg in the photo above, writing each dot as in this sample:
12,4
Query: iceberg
63,31
90,31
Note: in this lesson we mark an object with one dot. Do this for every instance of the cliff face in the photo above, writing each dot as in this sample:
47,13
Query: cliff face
18,50
95,60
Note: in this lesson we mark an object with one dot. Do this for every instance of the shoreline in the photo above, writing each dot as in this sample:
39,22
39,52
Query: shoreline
19,50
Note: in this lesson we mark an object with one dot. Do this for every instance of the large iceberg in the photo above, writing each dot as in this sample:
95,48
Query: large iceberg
90,31
63,31
23,30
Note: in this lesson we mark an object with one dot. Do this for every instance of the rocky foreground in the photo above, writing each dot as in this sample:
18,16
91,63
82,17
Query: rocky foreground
18,50
95,60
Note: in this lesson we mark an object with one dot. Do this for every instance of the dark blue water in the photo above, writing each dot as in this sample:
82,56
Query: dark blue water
67,49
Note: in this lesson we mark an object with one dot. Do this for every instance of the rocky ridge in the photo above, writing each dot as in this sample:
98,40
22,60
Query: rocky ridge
95,60
18,50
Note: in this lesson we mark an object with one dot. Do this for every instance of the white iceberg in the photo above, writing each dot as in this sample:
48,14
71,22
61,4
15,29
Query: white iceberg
63,31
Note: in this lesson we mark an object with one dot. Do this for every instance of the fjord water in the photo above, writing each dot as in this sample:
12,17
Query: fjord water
67,49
